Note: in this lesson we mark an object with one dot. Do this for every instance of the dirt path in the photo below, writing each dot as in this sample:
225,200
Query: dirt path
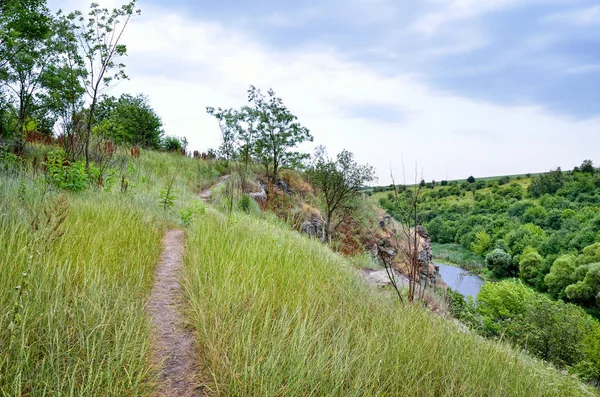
173,346
207,193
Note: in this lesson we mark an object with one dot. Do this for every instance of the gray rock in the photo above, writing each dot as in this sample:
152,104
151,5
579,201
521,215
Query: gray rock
380,278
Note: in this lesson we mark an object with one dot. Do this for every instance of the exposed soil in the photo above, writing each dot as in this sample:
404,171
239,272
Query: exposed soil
173,347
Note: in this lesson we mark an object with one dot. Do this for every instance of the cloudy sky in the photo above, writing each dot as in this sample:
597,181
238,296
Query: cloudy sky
453,87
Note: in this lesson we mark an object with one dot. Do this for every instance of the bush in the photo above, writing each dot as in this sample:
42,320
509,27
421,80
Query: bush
554,331
500,263
64,174
561,275
530,266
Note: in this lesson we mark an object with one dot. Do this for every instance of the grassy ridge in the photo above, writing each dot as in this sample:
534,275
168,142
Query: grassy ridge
80,326
279,315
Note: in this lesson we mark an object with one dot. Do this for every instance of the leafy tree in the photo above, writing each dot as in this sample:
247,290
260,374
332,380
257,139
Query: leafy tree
230,125
129,120
339,182
587,167
422,183
500,263
277,132
471,179
528,235
587,290
174,144
482,243
26,49
444,183
100,38
590,254
547,183
561,275
530,266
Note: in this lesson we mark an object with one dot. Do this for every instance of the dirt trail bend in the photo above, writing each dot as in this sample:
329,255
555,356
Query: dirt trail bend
173,347
206,194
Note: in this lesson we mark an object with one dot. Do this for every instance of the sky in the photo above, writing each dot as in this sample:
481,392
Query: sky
446,88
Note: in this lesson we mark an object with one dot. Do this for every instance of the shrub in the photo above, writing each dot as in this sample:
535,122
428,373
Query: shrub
65,175
500,263
561,275
482,243
530,266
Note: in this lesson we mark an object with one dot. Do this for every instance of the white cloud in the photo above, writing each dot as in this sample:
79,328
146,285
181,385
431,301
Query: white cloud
449,136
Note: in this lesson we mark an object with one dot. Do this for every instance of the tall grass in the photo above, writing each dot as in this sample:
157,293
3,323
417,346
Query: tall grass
454,254
279,315
73,294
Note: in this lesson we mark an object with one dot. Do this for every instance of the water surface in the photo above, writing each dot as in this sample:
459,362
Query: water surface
461,280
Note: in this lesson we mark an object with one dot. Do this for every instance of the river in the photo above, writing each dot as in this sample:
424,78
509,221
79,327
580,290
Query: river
461,280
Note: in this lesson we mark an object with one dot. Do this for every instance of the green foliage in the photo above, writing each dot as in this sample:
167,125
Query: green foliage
561,275
167,197
245,203
530,266
64,174
482,243
471,179
188,214
174,144
500,263
586,291
339,182
548,183
552,330
129,120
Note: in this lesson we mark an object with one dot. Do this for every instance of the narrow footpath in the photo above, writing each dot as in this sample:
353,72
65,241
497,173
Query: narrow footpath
173,344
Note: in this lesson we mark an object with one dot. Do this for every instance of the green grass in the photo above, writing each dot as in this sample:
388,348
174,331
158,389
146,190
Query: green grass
80,327
454,254
277,314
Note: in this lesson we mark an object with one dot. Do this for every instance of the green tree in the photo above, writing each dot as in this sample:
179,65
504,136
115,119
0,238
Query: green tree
230,124
277,132
587,290
129,120
471,179
482,243
339,181
529,267
100,38
26,50
561,275
500,263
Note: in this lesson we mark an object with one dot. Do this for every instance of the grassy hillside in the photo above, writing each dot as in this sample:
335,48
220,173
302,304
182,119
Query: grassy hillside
274,313
278,314
74,285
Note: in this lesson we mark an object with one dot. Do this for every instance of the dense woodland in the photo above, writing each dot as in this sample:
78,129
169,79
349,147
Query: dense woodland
543,230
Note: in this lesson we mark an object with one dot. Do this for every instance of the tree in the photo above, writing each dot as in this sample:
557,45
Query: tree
482,243
339,182
174,144
561,275
100,41
129,120
530,266
587,167
547,183
26,50
62,81
471,179
277,131
231,129
587,290
500,263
